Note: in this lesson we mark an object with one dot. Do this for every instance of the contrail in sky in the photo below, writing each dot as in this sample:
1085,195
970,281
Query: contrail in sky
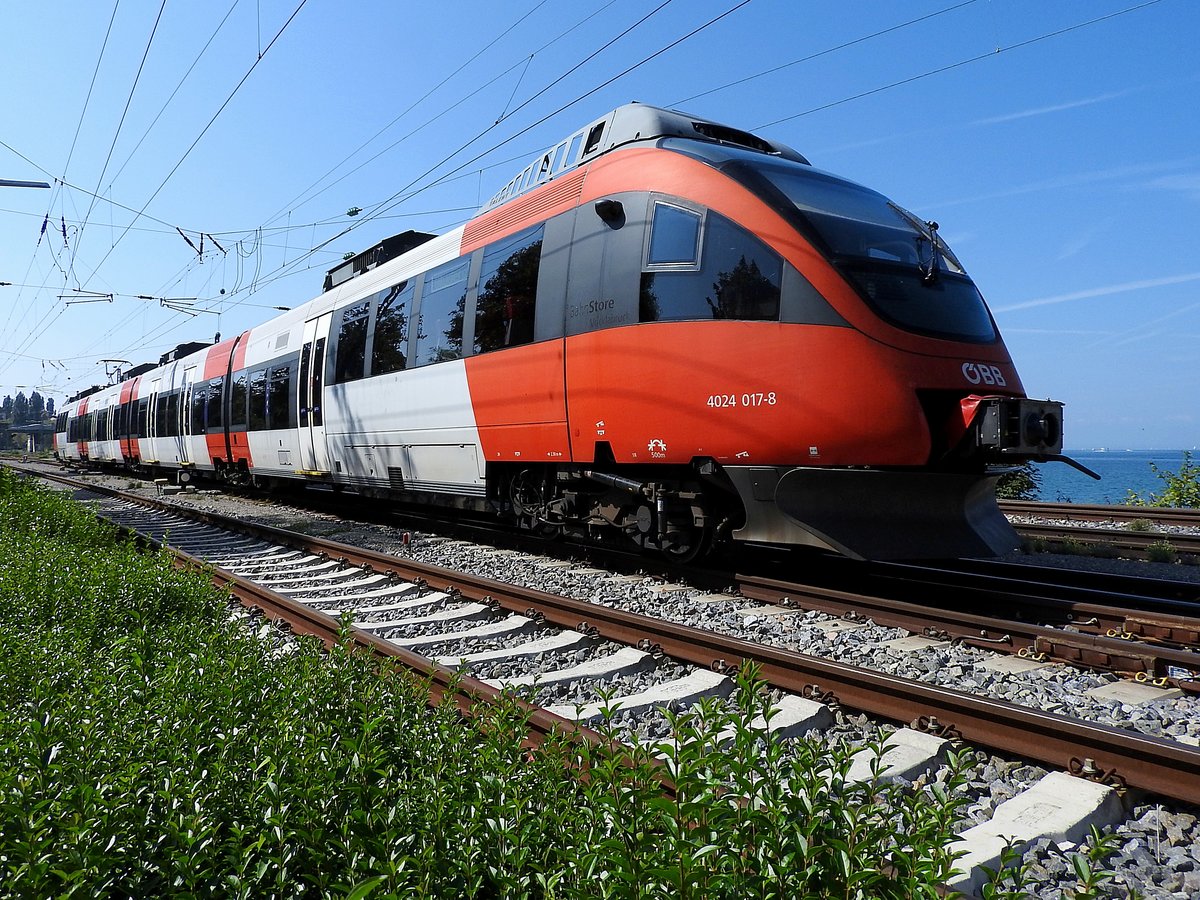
1102,291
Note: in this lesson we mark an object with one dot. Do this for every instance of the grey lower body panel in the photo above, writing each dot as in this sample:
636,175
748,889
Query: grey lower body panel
873,514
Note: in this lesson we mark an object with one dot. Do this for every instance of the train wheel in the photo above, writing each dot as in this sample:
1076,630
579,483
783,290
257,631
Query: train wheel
687,546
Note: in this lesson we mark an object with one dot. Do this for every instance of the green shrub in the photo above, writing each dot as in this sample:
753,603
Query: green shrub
1182,487
1075,547
1162,552
1022,483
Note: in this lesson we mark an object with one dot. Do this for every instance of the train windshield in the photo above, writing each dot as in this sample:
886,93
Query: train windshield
897,262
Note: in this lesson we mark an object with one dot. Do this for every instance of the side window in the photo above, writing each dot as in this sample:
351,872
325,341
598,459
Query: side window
199,401
352,343
237,400
258,400
143,416
389,348
216,401
280,400
504,313
443,305
674,238
739,278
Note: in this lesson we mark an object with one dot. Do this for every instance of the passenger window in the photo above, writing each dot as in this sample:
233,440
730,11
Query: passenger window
352,343
389,350
443,305
258,400
163,418
674,237
280,400
215,390
199,399
237,400
507,296
740,278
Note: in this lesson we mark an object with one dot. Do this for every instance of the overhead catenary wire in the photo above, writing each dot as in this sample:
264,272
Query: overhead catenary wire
43,326
120,124
383,208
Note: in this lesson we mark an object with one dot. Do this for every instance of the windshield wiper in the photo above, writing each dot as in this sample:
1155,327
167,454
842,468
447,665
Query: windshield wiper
926,231
930,274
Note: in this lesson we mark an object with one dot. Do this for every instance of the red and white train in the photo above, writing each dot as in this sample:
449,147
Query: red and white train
663,327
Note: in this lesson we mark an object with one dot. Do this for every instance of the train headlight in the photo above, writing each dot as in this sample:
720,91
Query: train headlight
1020,427
1042,428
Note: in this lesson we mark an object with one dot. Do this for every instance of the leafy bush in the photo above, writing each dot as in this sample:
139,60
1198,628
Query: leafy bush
1021,483
1162,552
1182,487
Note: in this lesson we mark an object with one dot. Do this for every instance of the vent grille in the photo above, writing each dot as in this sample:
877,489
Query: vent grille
558,195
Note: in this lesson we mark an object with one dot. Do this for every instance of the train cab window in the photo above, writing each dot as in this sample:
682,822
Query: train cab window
238,392
352,343
389,345
739,278
258,400
504,312
674,237
280,398
440,319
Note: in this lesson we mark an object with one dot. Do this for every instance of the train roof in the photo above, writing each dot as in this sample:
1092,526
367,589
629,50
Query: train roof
625,125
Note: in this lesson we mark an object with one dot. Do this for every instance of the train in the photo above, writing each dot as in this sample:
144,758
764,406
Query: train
663,330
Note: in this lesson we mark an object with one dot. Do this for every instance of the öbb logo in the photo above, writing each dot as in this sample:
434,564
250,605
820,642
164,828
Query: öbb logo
978,373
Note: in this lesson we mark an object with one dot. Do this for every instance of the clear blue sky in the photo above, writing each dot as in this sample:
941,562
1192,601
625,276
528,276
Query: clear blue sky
1064,168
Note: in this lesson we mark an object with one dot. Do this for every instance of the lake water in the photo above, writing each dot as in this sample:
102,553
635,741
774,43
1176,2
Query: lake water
1121,471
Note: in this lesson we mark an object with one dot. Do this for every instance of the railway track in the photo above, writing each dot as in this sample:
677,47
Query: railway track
1085,512
402,606
1132,532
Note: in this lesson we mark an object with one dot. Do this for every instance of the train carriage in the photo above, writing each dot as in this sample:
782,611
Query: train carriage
662,328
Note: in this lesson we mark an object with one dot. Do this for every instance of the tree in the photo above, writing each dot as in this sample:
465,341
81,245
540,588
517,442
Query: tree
20,413
37,407
8,407
50,407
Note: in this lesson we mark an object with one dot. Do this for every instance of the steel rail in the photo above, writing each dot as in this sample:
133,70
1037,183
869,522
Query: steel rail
1132,543
1095,512
1007,635
1141,761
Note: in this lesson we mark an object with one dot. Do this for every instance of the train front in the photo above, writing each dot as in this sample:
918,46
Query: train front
909,405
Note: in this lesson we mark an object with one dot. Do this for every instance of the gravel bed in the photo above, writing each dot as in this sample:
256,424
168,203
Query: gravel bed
1168,572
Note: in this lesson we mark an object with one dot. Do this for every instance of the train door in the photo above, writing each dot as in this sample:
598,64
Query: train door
184,429
151,455
314,454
